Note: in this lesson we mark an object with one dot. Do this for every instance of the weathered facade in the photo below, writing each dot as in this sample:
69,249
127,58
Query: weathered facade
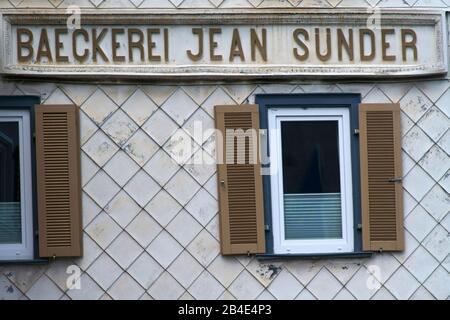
150,226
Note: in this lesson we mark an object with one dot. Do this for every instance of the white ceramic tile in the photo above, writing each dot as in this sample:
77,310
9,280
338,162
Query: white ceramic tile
100,148
206,287
439,283
225,269
202,207
161,167
184,228
402,284
245,287
185,269
99,107
438,243
163,208
44,289
104,271
417,182
421,264
139,107
181,147
437,202
140,147
204,248
324,286
144,228
101,188
142,188
201,166
415,104
164,249
435,162
145,270
416,143
285,286
122,208
121,168
89,290
166,288
419,223
200,126
160,127
103,230
363,285
125,288
119,127
179,106
435,123
124,250
182,187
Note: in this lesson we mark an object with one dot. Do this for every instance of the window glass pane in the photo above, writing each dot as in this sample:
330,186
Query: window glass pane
10,210
311,180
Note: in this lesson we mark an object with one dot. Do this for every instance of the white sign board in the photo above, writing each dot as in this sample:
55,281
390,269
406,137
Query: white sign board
213,45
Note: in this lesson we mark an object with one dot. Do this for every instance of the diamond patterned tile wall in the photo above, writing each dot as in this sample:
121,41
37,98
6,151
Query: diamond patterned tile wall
151,224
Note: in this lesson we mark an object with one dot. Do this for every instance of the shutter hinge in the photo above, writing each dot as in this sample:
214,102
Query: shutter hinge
397,179
34,135
356,132
266,227
359,226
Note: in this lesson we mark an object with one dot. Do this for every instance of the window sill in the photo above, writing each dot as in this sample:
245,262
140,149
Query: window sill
348,255
30,261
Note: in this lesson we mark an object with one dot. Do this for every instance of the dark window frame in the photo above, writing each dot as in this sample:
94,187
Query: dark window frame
27,103
315,100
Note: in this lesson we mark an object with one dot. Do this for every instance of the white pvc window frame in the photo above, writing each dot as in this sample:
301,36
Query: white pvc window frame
25,249
313,246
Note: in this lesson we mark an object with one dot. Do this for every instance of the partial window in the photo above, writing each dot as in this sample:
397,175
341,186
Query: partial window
16,209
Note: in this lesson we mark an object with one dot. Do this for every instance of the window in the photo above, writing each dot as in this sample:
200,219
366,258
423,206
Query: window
311,187
16,197
330,186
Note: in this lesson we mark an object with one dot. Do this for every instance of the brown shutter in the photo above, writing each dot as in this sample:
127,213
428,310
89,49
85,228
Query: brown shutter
58,181
381,173
239,182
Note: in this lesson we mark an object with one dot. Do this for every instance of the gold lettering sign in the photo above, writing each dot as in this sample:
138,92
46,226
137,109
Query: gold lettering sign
271,47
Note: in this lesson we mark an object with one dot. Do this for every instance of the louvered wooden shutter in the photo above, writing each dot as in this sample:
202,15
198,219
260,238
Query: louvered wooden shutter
239,181
58,181
381,173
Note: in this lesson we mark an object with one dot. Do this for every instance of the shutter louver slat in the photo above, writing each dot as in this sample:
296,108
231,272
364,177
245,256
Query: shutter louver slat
380,148
240,194
58,174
